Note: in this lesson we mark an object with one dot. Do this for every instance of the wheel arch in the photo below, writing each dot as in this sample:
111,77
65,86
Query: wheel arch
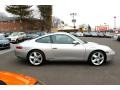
96,51
36,50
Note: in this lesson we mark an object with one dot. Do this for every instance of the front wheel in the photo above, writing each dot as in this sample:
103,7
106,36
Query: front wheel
36,58
17,41
97,58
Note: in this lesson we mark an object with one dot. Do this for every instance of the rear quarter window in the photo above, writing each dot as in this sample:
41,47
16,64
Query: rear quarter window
44,40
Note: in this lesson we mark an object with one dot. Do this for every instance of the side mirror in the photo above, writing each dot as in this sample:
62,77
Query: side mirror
76,42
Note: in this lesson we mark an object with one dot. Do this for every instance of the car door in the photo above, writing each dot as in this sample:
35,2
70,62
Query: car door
64,49
44,44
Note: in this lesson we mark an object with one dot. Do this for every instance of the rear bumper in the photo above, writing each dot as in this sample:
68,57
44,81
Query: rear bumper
20,54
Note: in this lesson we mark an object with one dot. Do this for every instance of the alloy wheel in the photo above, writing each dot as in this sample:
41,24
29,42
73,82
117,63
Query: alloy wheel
35,58
97,58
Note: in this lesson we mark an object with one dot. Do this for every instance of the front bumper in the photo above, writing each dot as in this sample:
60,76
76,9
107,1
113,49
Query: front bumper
12,39
110,55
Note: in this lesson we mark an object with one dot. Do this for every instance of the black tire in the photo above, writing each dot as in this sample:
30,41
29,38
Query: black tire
39,60
17,41
118,38
98,60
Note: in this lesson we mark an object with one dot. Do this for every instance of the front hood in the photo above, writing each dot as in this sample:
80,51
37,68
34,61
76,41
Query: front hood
96,46
4,41
92,43
12,37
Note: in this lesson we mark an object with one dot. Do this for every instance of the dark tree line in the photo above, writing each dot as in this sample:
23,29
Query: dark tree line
25,11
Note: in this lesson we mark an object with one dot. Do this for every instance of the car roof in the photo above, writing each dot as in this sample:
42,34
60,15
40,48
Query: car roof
56,33
52,34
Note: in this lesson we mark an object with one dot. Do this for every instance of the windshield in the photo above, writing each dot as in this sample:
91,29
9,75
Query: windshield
81,41
2,38
14,34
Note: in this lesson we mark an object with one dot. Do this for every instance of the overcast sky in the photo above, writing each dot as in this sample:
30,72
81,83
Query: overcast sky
93,12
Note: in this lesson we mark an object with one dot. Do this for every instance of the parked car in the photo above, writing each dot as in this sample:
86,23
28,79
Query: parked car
79,34
94,34
101,34
87,34
15,37
116,37
10,78
7,34
4,42
73,33
31,36
63,46
109,35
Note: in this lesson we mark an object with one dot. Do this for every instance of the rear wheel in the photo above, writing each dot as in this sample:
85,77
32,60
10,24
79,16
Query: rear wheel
97,58
36,58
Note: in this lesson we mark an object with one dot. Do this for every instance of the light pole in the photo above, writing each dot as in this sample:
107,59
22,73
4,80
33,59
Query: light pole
115,23
73,20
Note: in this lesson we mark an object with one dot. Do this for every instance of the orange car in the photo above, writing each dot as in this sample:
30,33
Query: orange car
9,78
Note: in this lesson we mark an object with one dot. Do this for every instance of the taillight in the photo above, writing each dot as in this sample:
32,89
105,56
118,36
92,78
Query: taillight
19,47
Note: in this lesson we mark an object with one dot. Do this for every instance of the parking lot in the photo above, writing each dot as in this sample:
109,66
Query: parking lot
61,73
7,50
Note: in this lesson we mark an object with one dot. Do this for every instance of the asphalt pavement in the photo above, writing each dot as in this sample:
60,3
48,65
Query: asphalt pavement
69,73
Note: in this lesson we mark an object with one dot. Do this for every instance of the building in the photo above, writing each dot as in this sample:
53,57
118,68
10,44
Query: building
117,31
102,28
15,24
67,29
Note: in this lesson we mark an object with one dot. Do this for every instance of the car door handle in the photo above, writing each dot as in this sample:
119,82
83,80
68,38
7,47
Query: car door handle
54,48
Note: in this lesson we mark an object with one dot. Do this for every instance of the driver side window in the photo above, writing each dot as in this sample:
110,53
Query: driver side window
62,39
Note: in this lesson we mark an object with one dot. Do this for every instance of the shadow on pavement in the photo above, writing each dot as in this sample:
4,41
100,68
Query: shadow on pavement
60,63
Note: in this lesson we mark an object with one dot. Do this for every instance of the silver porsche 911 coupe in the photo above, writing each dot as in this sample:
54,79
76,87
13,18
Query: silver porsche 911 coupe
63,46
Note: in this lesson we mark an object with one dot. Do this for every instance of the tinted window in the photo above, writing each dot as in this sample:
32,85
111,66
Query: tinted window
14,34
62,39
44,40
